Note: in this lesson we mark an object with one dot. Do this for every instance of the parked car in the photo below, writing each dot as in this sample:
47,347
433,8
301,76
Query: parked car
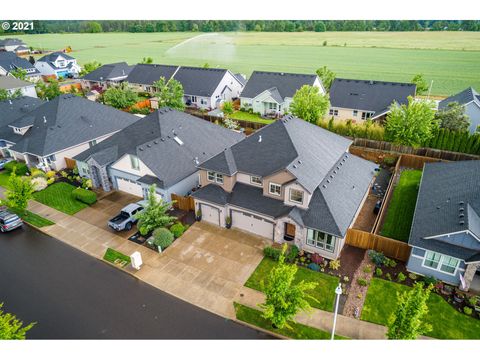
5,161
9,221
126,219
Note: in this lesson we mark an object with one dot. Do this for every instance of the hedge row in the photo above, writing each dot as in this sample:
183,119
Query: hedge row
85,196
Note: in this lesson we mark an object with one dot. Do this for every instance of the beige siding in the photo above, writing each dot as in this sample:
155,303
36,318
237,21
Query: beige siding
245,179
296,186
347,114
228,181
124,164
280,178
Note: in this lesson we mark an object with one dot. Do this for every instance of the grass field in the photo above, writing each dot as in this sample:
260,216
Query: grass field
402,206
451,59
447,323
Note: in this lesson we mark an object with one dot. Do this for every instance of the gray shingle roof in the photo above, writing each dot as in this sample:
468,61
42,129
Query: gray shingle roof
367,95
287,84
212,193
199,81
11,110
147,74
67,121
11,42
152,139
109,71
448,202
9,61
9,82
463,97
52,57
150,180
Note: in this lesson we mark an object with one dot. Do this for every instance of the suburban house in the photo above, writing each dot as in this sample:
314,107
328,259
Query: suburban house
290,182
162,148
10,62
58,65
51,134
445,234
13,85
16,46
11,110
106,75
270,93
359,100
142,76
470,99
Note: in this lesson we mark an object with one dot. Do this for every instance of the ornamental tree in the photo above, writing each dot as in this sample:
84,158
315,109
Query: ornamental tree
309,105
89,67
120,97
169,93
453,117
407,322
326,75
19,192
284,297
48,90
422,85
411,124
12,328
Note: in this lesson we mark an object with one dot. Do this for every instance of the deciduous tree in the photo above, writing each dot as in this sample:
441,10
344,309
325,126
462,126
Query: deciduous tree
120,97
12,328
19,73
326,75
422,85
19,192
309,105
48,90
89,67
453,117
169,93
6,95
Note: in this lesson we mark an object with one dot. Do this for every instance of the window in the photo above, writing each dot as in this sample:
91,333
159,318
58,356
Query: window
92,143
134,162
366,115
275,189
333,112
215,177
219,178
51,158
257,180
211,176
194,99
296,196
440,262
272,106
203,102
320,240
355,112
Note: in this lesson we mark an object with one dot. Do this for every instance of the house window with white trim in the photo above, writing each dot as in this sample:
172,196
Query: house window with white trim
296,196
321,240
134,162
333,112
219,178
439,262
366,115
256,180
355,113
449,264
212,176
275,189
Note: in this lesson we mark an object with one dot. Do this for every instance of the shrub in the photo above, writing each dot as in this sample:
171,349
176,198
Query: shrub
390,262
401,277
177,230
85,196
63,174
20,168
314,267
36,173
51,181
378,272
367,269
467,310
413,276
162,238
362,282
272,253
472,300
317,259
388,277
87,183
389,160
429,280
334,264
377,257
51,174
75,170
39,183
346,279
292,253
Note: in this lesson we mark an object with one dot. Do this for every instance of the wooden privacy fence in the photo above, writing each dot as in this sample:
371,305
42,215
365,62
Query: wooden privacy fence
415,161
185,203
390,247
70,163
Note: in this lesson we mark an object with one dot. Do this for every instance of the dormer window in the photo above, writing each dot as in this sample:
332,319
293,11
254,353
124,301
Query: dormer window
296,196
275,189
256,180
212,176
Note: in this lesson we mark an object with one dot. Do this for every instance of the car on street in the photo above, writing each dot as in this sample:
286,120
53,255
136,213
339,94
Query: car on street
9,221
125,219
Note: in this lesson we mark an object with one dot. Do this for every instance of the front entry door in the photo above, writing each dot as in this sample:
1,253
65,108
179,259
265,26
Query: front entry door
289,232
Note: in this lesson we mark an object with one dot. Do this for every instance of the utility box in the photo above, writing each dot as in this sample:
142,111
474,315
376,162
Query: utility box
136,260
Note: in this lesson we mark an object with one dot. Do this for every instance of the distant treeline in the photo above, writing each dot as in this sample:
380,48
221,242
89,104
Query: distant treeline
75,26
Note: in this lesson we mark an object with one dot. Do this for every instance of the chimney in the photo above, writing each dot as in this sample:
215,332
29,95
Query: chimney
259,138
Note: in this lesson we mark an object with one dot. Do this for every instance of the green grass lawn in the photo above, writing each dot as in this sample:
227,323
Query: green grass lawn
243,115
4,176
35,220
297,331
398,220
59,196
447,323
324,293
450,59
116,257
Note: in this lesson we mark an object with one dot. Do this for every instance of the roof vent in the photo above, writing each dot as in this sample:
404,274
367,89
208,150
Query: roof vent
331,176
299,161
461,209
44,119
149,146
196,160
461,215
294,166
371,82
334,171
259,138
155,141
438,207
140,148
338,167
461,203
461,222
178,140
162,139
324,186
341,164
353,187
328,181
10,102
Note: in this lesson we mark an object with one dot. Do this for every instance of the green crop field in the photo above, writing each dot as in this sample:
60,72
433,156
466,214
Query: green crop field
450,59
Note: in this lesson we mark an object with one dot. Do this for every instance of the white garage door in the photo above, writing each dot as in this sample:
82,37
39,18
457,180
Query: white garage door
252,224
130,187
210,214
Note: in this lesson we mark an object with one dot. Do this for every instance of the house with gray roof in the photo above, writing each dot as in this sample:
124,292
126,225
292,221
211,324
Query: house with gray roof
270,93
142,76
57,130
359,100
13,85
16,46
445,233
58,65
9,62
106,75
470,99
290,182
163,148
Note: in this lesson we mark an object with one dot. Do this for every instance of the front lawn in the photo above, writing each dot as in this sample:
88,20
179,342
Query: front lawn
246,116
324,292
59,196
297,331
116,257
447,323
398,220
35,220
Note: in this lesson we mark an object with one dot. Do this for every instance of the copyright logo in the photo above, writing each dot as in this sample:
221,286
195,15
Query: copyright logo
5,25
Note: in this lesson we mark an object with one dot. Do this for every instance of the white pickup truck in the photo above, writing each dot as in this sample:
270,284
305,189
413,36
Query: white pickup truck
126,219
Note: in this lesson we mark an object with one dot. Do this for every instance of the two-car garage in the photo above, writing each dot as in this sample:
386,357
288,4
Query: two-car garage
210,214
252,223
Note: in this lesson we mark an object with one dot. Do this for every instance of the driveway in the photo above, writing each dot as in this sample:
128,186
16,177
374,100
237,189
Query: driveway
107,207
207,266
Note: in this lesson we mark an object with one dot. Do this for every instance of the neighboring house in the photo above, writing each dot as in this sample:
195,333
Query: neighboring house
142,76
16,46
54,132
162,148
445,234
106,75
290,182
11,110
359,100
10,62
13,85
470,99
58,65
270,93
